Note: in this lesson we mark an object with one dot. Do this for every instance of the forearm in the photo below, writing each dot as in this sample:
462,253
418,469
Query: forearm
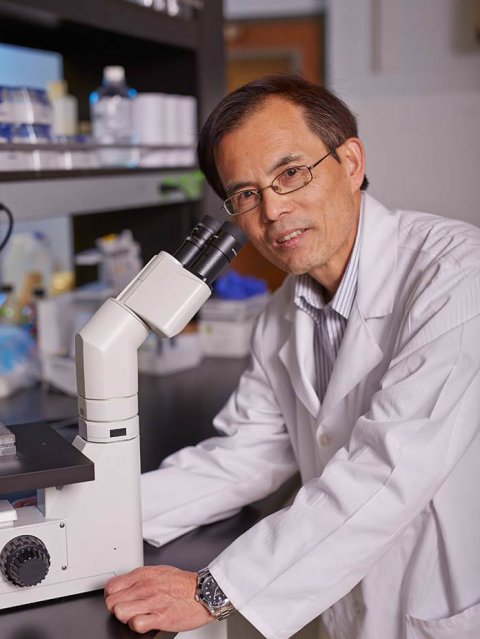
210,482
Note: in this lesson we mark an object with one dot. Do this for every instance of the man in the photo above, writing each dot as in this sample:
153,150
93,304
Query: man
364,376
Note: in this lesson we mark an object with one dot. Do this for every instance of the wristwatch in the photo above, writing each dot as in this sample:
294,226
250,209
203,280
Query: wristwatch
212,596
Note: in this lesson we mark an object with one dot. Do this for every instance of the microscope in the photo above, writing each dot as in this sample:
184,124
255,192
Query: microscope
86,526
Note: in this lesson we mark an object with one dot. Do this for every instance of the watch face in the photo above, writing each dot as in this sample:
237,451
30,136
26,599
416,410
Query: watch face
212,594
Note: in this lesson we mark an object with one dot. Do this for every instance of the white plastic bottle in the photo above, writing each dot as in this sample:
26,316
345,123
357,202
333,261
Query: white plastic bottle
112,118
64,111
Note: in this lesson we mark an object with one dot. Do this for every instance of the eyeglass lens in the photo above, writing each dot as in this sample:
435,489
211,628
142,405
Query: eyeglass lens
292,179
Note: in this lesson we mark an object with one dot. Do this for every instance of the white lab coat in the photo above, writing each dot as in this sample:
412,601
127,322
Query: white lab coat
384,536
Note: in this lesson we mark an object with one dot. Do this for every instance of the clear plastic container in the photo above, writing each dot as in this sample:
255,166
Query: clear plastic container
112,118
27,254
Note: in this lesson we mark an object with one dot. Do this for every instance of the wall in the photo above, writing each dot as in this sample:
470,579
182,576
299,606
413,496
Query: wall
411,72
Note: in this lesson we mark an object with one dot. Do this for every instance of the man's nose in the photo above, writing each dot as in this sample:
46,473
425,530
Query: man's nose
273,205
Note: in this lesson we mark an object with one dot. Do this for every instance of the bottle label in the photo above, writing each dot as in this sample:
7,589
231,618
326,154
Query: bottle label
112,120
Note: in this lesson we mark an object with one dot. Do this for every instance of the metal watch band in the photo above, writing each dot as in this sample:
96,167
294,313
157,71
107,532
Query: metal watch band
219,612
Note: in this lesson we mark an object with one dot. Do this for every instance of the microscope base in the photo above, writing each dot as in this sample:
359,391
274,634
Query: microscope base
91,530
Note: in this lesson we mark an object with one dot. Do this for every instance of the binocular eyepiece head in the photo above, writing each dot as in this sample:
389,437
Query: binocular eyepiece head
210,247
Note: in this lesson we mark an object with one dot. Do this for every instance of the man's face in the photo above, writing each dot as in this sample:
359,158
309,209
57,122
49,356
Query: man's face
311,230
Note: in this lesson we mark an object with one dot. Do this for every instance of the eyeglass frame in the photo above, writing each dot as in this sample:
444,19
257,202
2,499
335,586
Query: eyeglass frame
270,186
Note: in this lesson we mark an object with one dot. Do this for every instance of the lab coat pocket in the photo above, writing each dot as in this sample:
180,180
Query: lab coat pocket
465,625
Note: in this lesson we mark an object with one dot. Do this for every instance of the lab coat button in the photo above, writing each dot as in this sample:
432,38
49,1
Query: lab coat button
324,439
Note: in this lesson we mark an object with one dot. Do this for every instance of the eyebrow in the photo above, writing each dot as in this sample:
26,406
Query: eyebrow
283,161
286,159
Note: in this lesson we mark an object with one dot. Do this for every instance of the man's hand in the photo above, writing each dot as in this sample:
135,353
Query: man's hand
157,598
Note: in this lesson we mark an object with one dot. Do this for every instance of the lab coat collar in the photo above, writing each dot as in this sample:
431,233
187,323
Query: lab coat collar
378,258
359,352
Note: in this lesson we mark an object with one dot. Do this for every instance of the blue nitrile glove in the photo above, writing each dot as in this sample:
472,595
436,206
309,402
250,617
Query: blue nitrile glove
234,286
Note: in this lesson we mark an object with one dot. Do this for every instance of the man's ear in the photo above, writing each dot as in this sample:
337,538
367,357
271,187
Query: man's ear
354,157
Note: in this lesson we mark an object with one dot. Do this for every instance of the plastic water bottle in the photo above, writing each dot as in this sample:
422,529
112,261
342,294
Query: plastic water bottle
112,121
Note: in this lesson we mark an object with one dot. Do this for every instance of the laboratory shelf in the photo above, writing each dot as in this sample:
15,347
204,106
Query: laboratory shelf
47,194
161,54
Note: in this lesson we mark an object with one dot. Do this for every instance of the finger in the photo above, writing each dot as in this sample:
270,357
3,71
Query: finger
179,620
127,580
136,592
145,623
126,610
144,588
162,614
121,582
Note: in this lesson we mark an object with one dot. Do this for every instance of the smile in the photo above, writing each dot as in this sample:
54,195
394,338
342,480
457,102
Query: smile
290,236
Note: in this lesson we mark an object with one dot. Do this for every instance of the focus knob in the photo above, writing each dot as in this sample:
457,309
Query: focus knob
25,561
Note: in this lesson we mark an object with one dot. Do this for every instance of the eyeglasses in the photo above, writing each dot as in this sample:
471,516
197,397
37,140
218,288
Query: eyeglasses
288,181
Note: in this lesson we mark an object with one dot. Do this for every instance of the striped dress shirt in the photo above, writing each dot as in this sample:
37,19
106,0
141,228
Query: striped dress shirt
331,318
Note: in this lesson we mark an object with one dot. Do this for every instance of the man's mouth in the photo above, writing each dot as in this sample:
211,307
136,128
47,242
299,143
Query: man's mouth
290,236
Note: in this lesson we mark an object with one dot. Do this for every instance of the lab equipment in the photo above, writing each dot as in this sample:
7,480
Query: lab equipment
10,312
117,256
7,441
84,530
25,254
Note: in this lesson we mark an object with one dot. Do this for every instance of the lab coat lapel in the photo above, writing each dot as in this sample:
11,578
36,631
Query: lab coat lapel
360,351
297,356
358,355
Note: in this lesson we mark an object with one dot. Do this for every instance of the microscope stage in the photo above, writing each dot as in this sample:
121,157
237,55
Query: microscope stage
44,458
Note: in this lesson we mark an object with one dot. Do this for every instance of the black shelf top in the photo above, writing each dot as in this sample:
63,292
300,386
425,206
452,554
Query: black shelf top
117,16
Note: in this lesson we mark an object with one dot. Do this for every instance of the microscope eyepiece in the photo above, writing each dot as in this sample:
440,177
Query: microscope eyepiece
219,251
237,233
193,245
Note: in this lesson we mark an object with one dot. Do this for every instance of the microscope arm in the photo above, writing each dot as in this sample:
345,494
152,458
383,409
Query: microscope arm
163,297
